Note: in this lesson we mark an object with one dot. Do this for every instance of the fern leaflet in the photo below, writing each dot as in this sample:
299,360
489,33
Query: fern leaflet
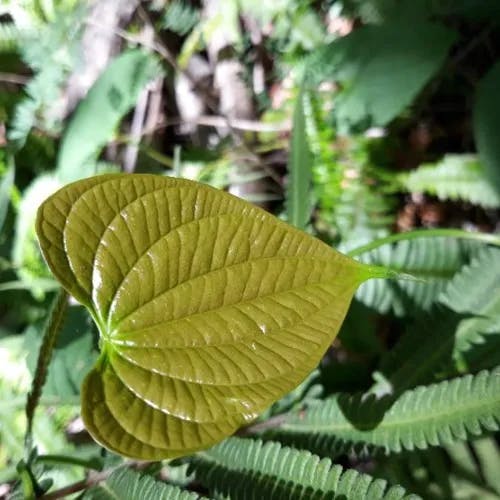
481,299
244,468
180,17
456,177
431,415
126,484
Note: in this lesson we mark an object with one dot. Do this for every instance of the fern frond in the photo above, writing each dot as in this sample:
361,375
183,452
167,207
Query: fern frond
475,288
350,199
474,291
245,468
427,416
42,89
455,177
51,52
127,484
434,260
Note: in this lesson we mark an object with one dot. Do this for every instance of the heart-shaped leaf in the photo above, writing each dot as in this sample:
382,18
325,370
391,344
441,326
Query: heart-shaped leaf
209,308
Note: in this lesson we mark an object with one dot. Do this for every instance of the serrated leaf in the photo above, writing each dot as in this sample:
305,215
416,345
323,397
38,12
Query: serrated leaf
427,416
481,279
98,115
209,308
455,177
127,484
245,468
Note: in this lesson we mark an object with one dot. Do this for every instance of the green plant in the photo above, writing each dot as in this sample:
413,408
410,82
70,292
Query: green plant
204,316
219,270
456,177
196,294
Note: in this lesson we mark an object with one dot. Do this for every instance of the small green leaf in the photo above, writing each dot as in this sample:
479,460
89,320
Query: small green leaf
299,203
98,115
455,177
209,308
127,484
240,469
382,68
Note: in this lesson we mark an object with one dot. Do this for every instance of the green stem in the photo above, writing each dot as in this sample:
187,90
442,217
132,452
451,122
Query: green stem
151,152
93,479
156,155
52,328
493,239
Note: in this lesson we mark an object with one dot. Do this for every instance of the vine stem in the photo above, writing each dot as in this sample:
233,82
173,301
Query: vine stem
51,330
93,479
270,423
493,239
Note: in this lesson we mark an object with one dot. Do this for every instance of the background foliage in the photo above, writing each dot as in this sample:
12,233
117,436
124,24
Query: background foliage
393,158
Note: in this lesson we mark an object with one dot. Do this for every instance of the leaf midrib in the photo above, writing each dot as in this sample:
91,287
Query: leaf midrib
116,327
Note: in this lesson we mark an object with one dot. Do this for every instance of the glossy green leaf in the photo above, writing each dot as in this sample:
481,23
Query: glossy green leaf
209,309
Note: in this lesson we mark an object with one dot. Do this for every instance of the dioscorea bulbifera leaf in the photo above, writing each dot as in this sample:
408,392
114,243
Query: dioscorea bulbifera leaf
209,309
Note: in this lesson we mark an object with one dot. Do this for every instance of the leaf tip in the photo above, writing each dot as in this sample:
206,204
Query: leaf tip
380,272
